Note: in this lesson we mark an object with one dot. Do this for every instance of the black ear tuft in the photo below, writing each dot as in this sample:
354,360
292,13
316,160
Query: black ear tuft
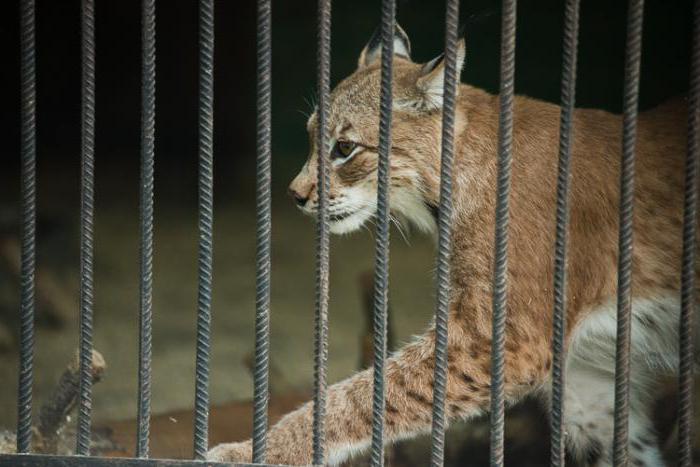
433,64
373,49
462,31
402,45
375,42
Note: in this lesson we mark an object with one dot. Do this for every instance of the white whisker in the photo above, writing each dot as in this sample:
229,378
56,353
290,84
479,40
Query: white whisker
400,228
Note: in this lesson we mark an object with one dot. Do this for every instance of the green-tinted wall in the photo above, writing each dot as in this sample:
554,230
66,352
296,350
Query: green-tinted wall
540,24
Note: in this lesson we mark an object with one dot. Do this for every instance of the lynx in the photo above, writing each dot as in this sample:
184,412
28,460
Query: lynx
592,267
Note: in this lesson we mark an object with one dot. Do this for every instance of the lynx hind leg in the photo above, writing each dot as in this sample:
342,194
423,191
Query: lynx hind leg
590,381
589,409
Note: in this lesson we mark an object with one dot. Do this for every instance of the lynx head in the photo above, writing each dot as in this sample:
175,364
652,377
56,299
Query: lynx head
353,125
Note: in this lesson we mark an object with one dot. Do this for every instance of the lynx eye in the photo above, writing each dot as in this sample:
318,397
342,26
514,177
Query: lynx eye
343,149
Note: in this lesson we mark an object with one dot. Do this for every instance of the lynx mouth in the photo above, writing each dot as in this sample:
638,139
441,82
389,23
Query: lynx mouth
348,221
340,216
344,221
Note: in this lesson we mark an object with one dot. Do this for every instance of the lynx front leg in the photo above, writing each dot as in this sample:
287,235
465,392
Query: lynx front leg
409,379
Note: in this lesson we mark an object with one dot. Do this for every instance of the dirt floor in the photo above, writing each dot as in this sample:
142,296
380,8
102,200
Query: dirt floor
174,303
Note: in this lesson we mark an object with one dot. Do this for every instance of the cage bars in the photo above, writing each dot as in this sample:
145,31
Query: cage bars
633,53
148,109
444,220
263,263
263,232
206,225
39,460
500,281
322,231
87,208
566,128
381,262
28,227
688,296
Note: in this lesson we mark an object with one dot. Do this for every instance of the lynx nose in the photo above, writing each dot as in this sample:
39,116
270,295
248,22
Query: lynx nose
298,197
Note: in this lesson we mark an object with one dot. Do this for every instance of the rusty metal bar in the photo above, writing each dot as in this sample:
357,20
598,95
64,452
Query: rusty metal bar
264,232
633,57
381,261
322,232
28,228
690,217
500,280
148,113
566,129
442,310
206,225
87,209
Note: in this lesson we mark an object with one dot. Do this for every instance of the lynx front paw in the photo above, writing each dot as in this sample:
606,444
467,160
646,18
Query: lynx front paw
231,452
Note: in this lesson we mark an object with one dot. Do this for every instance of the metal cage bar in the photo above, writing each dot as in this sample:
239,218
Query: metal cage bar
442,309
566,128
633,55
87,209
500,280
206,225
263,260
322,232
263,232
148,113
39,460
381,262
690,218
28,228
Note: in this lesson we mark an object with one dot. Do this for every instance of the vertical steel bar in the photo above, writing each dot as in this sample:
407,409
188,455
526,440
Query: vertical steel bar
28,229
381,264
322,232
264,239
633,56
445,233
500,285
690,213
148,111
206,225
566,128
87,179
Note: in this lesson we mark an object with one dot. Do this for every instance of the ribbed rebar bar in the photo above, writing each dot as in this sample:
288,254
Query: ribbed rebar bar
87,208
28,228
264,226
633,57
444,289
322,232
566,129
500,280
381,261
690,218
206,225
148,115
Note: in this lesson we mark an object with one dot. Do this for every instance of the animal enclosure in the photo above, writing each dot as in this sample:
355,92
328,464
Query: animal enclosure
261,365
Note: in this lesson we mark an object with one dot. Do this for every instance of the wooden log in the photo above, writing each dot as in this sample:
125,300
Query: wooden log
54,414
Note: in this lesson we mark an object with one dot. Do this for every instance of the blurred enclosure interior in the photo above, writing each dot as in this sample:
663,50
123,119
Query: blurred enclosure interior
664,74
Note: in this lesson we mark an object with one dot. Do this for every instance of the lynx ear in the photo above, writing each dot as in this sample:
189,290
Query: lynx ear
373,50
432,78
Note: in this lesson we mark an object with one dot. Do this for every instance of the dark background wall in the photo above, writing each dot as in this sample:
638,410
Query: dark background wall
118,73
